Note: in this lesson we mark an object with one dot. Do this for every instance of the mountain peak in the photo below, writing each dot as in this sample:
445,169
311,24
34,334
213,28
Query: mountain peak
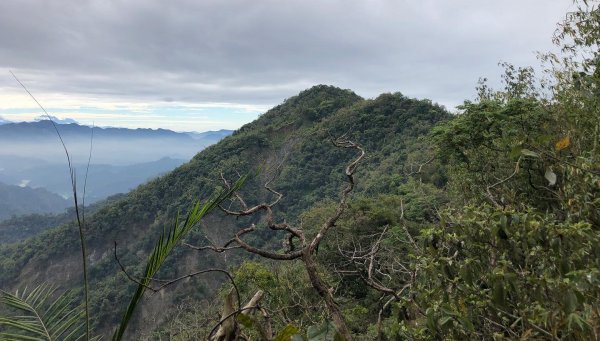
308,107
323,89
55,119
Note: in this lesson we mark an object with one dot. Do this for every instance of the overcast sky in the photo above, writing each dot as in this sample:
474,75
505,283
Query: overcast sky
209,64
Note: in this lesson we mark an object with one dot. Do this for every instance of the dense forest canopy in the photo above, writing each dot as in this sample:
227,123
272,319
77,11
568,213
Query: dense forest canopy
479,225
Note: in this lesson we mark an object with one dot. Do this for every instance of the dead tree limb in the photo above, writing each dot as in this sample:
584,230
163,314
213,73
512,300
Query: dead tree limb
370,259
419,167
168,282
306,247
227,326
501,181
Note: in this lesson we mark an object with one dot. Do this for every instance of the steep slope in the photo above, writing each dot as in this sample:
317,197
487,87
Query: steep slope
294,134
15,200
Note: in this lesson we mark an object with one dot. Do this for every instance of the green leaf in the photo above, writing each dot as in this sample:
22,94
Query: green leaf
570,301
444,320
338,337
297,337
245,320
516,151
287,334
498,293
576,319
41,317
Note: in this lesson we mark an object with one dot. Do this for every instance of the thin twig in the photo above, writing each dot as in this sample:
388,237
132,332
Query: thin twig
418,171
501,181
168,282
87,170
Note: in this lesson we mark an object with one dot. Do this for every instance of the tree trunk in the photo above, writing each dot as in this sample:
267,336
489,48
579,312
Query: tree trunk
325,292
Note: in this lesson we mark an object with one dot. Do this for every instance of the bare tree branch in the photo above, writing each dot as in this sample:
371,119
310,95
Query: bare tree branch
344,195
227,328
501,181
169,282
419,167
305,251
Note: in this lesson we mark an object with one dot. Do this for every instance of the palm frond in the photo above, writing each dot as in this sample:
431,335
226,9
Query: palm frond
41,315
165,245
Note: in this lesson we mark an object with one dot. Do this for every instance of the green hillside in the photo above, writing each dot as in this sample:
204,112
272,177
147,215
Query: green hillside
483,225
295,133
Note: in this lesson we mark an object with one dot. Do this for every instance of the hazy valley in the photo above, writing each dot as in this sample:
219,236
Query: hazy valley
32,157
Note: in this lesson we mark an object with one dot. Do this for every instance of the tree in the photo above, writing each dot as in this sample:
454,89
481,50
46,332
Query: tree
308,244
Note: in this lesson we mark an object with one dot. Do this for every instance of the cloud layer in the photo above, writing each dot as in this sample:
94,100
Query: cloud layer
118,55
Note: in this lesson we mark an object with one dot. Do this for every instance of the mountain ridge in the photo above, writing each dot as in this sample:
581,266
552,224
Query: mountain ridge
18,200
294,134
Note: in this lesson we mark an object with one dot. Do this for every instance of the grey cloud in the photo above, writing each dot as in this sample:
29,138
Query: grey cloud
260,52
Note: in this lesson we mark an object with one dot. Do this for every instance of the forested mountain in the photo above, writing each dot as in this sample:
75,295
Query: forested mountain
346,218
294,135
15,200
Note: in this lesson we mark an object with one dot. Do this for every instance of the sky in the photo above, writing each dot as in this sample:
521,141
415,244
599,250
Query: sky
192,65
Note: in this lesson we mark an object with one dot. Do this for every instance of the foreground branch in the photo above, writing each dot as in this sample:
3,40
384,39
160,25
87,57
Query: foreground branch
306,248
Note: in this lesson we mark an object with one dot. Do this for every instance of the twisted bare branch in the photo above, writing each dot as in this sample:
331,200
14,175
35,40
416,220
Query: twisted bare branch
306,249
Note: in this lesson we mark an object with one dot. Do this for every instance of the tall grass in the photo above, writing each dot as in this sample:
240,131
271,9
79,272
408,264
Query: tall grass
80,216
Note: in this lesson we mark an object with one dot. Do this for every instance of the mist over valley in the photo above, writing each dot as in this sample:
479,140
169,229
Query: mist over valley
32,157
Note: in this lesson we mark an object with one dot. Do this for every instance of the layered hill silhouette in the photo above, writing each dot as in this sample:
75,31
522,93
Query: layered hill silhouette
116,146
290,142
15,200
121,159
21,227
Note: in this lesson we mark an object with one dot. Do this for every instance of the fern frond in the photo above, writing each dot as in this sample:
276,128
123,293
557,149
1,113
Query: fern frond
41,316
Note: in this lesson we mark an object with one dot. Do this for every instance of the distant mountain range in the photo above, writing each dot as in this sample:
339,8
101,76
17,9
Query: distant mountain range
15,200
211,135
121,159
39,140
103,179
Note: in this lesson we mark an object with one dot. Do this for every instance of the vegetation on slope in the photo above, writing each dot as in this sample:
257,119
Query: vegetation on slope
297,131
485,225
506,249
